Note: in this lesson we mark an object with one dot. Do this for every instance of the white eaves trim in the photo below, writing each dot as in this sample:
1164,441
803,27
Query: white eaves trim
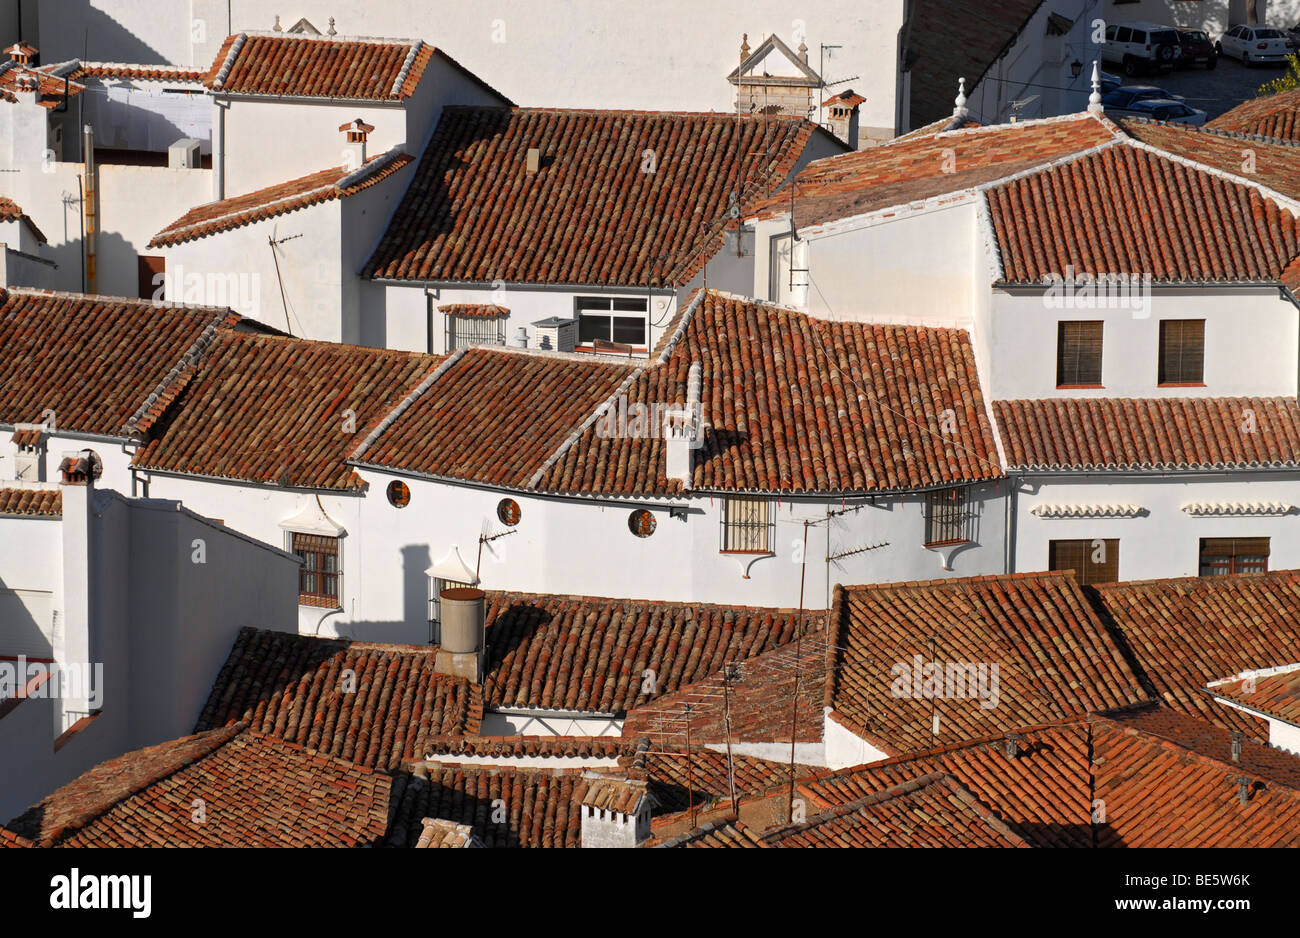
1238,509
1059,512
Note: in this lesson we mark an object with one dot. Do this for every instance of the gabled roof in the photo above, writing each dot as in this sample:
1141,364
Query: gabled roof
1186,633
324,186
627,198
796,404
930,811
255,791
93,360
1187,433
290,410
744,73
1275,694
41,503
10,211
926,165
50,88
318,67
370,704
1150,778
1276,116
1054,658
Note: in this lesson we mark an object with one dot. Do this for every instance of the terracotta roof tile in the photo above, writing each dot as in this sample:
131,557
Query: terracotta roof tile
474,310
284,410
590,215
438,833
1273,695
1274,115
10,211
165,73
1152,433
92,360
1054,658
325,67
616,794
1186,633
679,778
1274,164
798,404
1135,212
279,199
51,88
724,833
42,502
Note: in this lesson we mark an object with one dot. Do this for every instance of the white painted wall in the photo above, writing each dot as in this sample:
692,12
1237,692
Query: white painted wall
845,748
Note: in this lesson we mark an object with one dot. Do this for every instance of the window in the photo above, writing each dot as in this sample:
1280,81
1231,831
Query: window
619,320
318,580
1078,354
642,522
1110,33
780,261
1182,351
436,586
947,516
1094,560
747,525
464,331
1123,34
1231,556
399,496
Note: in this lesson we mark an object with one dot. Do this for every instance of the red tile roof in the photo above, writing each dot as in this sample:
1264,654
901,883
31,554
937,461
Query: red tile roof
723,833
93,360
679,778
41,502
491,415
1133,211
591,214
928,165
1274,695
10,211
1065,434
438,833
1184,634
798,404
50,88
474,310
255,791
618,794
1275,165
290,410
930,811
1054,657
9,839
165,73
371,704
325,67
324,186
1274,115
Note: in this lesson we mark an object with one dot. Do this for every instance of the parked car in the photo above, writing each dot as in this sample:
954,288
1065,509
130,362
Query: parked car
1139,47
1122,99
1254,44
1109,82
1175,112
1197,49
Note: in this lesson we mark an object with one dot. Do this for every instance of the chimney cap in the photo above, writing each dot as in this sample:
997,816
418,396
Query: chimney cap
81,468
357,126
21,50
462,593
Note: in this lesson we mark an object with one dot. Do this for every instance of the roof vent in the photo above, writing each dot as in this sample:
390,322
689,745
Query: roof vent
534,161
1243,790
1236,745
1013,745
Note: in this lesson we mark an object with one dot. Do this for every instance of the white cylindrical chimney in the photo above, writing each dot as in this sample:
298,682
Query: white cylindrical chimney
462,620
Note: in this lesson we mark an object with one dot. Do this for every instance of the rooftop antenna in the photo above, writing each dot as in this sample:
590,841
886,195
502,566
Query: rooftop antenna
1020,104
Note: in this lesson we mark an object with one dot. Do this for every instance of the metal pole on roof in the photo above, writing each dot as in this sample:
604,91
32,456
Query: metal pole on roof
727,672
690,767
798,656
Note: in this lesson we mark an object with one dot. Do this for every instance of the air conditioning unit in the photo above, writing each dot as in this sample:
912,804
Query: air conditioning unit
183,154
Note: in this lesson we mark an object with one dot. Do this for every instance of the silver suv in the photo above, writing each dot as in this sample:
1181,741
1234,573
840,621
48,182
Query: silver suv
1139,47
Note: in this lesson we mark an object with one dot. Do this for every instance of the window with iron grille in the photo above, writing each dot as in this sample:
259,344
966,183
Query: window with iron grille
1182,351
747,525
464,331
436,586
947,516
1233,556
1093,560
319,578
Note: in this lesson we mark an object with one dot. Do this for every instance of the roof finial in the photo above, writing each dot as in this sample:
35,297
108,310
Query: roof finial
332,31
1094,99
277,27
959,110
744,47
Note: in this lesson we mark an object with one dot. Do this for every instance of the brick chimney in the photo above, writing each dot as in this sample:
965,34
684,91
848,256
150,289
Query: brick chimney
615,811
354,151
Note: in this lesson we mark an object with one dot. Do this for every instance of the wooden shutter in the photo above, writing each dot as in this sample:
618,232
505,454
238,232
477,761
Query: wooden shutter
148,267
1182,351
1078,353
1077,555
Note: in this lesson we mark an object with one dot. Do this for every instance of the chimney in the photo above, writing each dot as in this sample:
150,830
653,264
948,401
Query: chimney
23,54
683,430
615,811
521,338
844,115
461,652
354,152
72,626
1236,745
534,161
1013,745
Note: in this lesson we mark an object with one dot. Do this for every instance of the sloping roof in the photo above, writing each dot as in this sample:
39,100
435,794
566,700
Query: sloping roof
47,503
1146,785
1063,434
438,833
931,811
723,833
324,186
592,213
1275,115
1133,211
93,360
255,791
1054,658
925,165
491,415
325,67
798,404
166,73
290,411
1273,695
700,778
370,704
50,88
1186,633
10,211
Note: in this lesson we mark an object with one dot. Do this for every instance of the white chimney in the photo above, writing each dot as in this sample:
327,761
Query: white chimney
615,811
534,161
461,651
354,151
72,630
683,430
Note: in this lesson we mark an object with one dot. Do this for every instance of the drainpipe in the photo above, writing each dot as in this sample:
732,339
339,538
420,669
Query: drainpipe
88,207
219,152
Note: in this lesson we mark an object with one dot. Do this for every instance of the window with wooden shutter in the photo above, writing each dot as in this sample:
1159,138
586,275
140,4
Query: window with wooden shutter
1231,556
318,579
1078,354
1182,351
1093,560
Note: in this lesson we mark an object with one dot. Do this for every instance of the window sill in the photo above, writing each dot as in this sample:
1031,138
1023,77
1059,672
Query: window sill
319,603
953,543
748,553
1081,387
1182,384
